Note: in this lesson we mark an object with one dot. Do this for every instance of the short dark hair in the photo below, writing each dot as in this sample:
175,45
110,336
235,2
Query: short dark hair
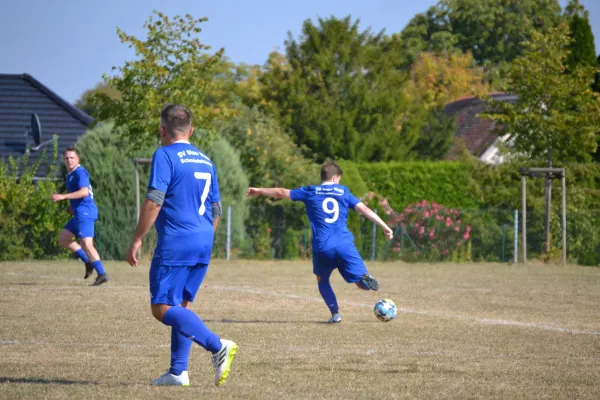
176,119
329,170
73,149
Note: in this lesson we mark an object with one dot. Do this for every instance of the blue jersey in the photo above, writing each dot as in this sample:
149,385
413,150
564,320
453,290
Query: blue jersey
327,208
83,208
184,224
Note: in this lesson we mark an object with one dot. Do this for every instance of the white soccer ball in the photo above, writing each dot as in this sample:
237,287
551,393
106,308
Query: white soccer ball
385,310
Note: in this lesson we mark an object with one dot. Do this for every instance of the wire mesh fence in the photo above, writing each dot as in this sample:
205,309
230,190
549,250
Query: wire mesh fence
424,233
431,233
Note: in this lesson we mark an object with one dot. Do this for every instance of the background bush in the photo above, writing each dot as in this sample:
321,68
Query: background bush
30,222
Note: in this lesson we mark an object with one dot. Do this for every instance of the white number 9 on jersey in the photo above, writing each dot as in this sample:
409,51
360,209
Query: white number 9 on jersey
331,206
204,176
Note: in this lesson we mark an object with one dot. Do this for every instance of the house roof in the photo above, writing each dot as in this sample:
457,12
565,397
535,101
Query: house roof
76,112
21,95
478,134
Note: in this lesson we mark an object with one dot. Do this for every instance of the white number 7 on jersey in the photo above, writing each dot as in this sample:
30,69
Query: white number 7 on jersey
204,176
335,209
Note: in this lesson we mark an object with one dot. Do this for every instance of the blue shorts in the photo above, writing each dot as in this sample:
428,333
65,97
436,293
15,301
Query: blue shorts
172,285
81,228
346,258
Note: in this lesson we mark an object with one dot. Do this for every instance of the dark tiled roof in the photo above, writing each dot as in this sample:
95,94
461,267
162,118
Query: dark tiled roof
23,95
478,134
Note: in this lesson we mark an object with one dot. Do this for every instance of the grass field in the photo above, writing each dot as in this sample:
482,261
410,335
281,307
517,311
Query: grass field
463,331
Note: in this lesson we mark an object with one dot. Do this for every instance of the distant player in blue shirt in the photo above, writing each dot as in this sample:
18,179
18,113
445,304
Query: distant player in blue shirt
85,214
184,204
333,247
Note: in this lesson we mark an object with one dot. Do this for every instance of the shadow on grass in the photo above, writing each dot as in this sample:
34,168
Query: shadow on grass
232,321
43,381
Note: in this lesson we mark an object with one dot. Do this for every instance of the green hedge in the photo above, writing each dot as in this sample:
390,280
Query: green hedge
490,194
403,183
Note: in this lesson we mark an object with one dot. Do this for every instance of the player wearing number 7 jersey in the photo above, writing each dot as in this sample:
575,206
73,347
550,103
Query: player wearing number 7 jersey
184,203
333,247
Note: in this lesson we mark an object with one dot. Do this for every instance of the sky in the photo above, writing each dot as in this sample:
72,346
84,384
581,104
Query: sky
68,44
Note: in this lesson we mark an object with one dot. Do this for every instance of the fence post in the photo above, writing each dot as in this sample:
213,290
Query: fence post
503,240
564,217
99,244
374,239
516,237
228,248
524,217
137,192
305,240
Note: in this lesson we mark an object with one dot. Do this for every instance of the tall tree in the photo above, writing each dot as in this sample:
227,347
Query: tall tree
492,30
337,91
434,81
582,47
172,66
429,31
553,109
596,85
437,136
270,158
437,80
88,103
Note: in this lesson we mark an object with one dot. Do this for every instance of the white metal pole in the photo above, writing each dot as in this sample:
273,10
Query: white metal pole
564,218
516,237
137,200
228,232
137,191
524,217
374,239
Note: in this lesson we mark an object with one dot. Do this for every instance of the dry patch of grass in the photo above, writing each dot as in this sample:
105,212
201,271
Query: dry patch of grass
465,331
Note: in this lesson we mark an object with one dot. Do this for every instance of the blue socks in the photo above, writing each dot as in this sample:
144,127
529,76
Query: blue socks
191,326
98,267
96,264
327,293
180,352
82,256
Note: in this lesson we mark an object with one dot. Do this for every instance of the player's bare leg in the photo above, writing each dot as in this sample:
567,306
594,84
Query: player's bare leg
66,241
87,244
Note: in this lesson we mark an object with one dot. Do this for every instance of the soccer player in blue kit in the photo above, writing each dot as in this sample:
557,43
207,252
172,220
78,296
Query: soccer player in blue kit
85,214
333,247
184,203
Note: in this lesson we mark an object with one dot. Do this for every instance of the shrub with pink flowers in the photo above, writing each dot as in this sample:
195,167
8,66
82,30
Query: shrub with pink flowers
433,232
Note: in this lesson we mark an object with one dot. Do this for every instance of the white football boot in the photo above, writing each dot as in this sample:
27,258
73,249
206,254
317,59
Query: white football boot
168,379
222,360
335,318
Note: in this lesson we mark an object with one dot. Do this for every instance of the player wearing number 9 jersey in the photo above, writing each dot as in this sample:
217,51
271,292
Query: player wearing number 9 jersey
184,203
333,247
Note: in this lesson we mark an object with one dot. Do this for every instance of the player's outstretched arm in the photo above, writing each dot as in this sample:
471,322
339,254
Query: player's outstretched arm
277,193
362,209
79,194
